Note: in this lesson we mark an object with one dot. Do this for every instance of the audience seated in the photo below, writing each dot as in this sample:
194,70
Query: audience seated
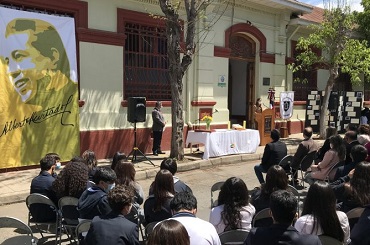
170,164
276,179
360,232
43,183
272,155
364,140
201,232
283,207
336,154
319,215
364,129
326,146
306,146
358,154
157,206
114,228
91,162
350,140
125,172
56,158
169,232
234,210
72,180
117,157
353,190
93,202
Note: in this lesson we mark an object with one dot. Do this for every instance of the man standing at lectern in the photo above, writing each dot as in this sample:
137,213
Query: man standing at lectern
158,126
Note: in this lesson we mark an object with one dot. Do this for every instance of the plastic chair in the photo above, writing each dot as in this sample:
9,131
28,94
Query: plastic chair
327,240
234,237
215,187
353,215
42,211
82,229
263,218
306,164
68,208
285,164
10,222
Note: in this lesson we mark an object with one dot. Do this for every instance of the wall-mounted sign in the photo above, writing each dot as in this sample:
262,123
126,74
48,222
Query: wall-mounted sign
266,81
221,81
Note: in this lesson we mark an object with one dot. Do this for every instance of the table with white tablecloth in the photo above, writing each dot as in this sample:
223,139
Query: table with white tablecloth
225,142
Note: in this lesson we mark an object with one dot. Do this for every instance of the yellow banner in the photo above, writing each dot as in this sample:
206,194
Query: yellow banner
39,110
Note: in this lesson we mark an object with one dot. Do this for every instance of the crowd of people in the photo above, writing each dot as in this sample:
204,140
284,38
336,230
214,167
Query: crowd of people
114,201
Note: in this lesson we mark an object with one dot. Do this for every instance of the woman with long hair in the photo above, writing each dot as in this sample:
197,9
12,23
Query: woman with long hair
91,162
126,172
169,232
319,215
157,206
276,179
234,210
326,146
336,154
117,157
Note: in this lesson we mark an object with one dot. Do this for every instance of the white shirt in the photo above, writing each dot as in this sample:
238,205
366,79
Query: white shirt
305,224
200,231
247,213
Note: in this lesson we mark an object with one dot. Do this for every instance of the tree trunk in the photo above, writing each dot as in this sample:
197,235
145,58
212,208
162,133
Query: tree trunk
325,102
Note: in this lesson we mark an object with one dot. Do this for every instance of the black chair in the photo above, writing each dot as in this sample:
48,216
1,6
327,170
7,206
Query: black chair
235,237
68,208
327,240
295,192
216,187
285,163
82,229
263,218
149,228
306,164
353,216
42,211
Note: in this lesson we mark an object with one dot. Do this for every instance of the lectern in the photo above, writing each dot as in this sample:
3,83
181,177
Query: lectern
266,122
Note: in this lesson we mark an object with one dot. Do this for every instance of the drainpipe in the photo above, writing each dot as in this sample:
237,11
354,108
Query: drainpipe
286,52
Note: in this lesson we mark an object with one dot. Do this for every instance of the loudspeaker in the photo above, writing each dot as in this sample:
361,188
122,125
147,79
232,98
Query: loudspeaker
333,100
136,109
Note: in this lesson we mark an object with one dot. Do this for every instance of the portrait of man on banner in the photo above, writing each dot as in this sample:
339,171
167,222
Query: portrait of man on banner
39,110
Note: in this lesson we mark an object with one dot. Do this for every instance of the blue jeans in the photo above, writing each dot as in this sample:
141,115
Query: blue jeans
259,169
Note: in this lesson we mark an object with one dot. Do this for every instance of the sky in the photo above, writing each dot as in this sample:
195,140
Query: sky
355,4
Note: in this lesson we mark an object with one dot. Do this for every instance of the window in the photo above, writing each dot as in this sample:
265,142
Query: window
146,62
302,88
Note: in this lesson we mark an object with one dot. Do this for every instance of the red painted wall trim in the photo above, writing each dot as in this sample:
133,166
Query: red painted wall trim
221,52
366,102
149,103
102,37
203,103
298,102
267,58
76,8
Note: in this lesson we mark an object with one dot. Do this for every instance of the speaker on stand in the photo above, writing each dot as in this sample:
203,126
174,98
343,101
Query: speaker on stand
136,112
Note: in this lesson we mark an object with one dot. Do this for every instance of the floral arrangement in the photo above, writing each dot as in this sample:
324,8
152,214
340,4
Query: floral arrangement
207,119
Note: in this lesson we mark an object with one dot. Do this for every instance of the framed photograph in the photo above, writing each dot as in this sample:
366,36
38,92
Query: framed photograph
349,103
347,118
359,95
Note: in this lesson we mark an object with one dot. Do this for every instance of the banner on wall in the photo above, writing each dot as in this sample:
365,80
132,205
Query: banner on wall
39,110
286,104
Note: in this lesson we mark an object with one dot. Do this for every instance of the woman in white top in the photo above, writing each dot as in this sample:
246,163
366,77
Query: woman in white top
319,216
234,210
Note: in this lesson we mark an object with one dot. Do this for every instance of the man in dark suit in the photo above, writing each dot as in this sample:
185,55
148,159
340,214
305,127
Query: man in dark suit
158,126
283,207
114,228
350,139
274,152
306,146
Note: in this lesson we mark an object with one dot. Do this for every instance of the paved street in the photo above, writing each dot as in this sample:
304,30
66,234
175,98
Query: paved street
199,180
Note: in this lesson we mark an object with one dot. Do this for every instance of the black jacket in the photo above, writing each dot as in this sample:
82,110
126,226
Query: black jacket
274,152
93,202
360,232
278,234
113,228
42,184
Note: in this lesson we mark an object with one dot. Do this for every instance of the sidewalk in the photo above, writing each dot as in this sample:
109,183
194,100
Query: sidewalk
15,186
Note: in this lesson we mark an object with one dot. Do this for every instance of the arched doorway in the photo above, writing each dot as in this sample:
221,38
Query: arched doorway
241,79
